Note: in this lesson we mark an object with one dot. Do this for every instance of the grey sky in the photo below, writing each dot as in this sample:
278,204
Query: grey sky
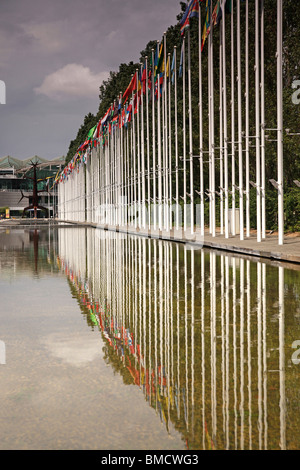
53,58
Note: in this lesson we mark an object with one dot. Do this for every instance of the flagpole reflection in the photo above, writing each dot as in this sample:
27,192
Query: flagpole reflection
192,330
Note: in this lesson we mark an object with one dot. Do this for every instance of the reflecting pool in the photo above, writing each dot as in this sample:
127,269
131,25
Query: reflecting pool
123,342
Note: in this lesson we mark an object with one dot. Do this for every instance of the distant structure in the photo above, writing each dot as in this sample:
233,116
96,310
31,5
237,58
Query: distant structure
35,192
12,181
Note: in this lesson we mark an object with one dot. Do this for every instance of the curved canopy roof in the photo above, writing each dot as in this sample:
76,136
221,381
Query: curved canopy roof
17,164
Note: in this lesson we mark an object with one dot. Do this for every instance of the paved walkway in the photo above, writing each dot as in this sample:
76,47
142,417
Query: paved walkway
268,248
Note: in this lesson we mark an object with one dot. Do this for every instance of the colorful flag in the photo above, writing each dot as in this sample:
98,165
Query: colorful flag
217,14
160,59
143,80
168,67
181,60
128,112
192,11
173,67
105,117
120,104
91,132
206,29
131,87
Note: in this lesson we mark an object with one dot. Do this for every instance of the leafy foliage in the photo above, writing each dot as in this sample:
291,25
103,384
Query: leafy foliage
119,80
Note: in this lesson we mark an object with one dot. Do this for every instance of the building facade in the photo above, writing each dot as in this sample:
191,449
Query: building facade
15,181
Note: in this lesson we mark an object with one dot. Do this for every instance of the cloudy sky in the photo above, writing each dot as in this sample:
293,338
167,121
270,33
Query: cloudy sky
54,55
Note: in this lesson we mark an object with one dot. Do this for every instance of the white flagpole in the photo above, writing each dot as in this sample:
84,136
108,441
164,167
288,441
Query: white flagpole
240,130
159,155
225,123
257,123
138,150
184,136
262,88
166,182
153,143
233,221
201,127
190,135
221,134
280,125
176,142
209,134
212,129
247,185
148,144
134,162
170,144
143,156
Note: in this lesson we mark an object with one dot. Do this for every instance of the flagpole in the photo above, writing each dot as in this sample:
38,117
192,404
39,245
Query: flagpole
170,145
138,149
280,125
128,172
233,221
201,128
166,182
148,143
134,161
262,88
209,133
240,135
159,154
153,142
225,123
221,135
212,121
143,157
247,188
176,141
190,134
257,124
184,135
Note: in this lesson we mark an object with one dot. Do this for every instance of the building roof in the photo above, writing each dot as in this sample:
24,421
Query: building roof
17,164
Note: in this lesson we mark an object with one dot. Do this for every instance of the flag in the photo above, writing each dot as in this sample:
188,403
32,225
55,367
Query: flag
91,132
120,104
122,118
206,29
143,80
192,11
131,87
168,67
128,112
160,59
217,14
98,129
181,60
173,67
105,117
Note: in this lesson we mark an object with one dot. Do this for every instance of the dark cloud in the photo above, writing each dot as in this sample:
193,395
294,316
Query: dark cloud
43,44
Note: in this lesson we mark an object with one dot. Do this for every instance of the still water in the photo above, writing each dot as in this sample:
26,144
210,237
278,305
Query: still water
115,342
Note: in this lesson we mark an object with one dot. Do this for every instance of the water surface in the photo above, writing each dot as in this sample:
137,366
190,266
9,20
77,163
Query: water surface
116,342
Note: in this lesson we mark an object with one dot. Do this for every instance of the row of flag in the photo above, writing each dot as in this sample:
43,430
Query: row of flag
119,114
